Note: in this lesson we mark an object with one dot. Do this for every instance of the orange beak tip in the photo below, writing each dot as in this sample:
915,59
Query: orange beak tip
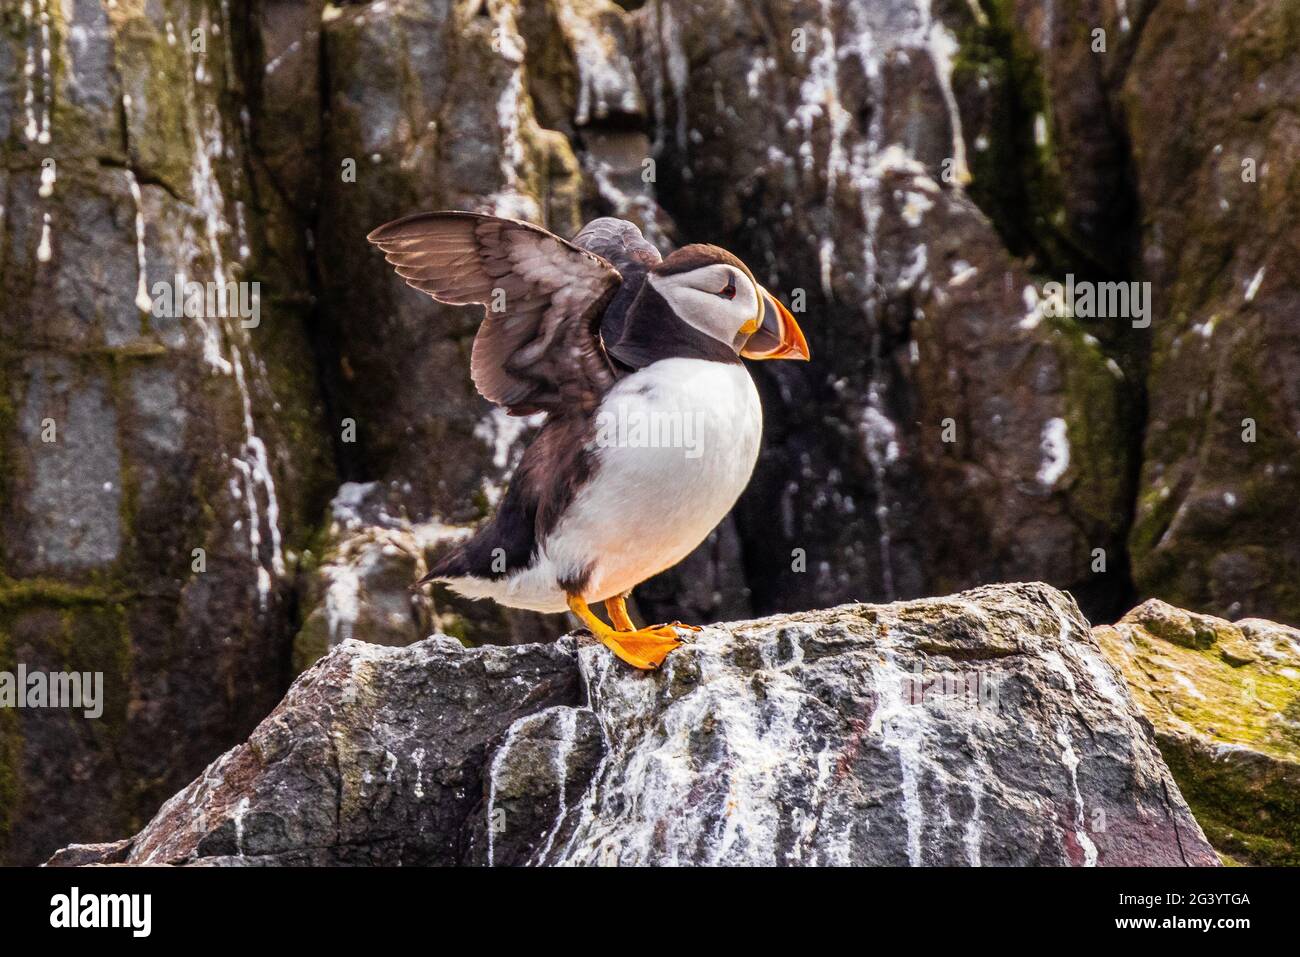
793,344
790,341
798,344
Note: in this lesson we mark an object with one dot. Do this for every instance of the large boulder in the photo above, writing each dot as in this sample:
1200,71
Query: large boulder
984,728
1224,698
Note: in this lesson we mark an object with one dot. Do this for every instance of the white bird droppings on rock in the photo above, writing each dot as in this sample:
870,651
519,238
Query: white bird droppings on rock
1055,446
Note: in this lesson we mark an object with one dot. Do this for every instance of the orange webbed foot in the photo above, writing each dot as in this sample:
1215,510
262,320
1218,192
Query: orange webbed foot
645,648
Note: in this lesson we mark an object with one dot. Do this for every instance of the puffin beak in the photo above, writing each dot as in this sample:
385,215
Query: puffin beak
778,335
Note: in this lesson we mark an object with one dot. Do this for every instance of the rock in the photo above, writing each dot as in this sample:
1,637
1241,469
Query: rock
1224,698
362,583
946,433
1180,627
80,855
983,728
159,471
1199,202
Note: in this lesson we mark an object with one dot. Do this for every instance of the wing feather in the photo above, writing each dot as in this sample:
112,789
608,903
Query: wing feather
539,345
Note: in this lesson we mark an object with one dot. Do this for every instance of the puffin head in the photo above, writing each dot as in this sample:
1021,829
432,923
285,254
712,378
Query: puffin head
713,291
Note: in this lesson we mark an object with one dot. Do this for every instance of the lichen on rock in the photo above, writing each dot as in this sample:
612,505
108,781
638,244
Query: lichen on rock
1224,698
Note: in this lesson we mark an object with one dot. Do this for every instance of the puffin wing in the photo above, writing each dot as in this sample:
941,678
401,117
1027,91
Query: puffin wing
539,346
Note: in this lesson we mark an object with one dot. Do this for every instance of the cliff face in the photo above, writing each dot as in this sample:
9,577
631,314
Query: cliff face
160,471
985,728
1186,126
202,507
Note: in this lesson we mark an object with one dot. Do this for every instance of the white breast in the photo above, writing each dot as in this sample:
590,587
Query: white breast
675,445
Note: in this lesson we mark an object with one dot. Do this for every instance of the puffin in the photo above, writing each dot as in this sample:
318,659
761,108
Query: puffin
651,425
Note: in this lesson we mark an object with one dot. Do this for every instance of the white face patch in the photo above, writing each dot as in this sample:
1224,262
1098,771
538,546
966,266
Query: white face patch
696,297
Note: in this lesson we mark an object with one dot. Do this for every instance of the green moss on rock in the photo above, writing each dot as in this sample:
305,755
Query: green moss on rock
1099,417
1224,700
11,749
19,593
1016,179
311,643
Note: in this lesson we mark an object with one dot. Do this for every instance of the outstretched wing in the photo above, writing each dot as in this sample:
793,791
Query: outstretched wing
539,346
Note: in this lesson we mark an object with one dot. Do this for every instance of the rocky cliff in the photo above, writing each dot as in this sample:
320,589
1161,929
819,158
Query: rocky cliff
161,472
981,729
201,508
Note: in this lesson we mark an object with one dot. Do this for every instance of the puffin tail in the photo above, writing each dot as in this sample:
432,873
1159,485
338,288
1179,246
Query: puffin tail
451,565
506,543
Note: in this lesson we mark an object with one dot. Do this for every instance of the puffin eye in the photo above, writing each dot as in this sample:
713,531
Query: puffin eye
730,291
